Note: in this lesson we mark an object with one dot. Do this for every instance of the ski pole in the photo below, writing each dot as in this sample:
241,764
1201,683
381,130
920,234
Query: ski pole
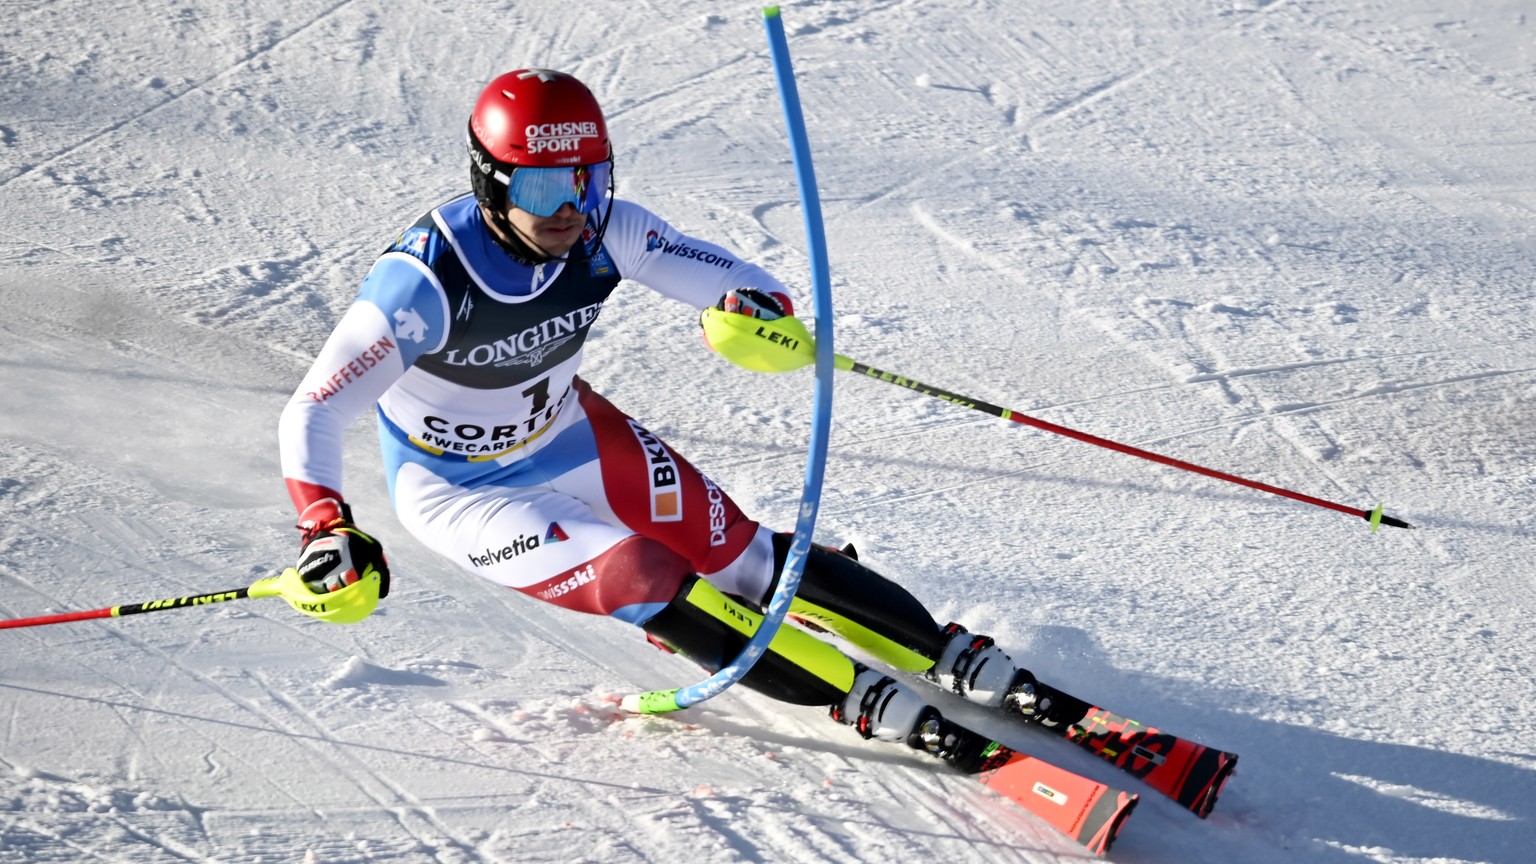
350,604
137,608
783,344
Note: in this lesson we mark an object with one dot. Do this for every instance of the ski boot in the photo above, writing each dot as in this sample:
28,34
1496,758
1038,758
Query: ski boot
974,667
880,707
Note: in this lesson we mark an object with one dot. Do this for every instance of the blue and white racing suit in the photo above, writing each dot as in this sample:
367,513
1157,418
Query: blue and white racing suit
498,456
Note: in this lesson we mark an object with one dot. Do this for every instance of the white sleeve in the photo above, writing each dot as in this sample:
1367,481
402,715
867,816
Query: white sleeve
360,360
650,251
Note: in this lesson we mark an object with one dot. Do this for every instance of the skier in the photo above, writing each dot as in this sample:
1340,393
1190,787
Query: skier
467,336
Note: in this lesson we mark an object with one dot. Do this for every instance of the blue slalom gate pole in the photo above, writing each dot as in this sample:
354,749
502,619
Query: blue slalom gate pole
662,701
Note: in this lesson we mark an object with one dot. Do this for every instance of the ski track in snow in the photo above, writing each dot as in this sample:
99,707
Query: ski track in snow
1286,239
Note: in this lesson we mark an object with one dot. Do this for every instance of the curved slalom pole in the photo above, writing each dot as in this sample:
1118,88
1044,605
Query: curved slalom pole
663,701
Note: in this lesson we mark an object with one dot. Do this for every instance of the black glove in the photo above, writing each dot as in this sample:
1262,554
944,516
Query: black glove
336,553
754,303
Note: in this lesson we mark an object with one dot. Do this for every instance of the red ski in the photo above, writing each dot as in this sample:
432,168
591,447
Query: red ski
1090,812
1189,773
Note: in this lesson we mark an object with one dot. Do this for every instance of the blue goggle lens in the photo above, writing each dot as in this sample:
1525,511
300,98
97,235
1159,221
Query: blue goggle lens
542,191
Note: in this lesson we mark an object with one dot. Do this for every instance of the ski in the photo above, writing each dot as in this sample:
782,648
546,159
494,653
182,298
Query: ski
1090,812
1085,810
1189,773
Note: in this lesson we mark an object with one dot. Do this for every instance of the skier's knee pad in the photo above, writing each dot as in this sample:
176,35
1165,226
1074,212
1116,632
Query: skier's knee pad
710,629
860,605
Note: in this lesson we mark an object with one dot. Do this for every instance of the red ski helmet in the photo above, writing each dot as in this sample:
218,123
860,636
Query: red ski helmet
535,118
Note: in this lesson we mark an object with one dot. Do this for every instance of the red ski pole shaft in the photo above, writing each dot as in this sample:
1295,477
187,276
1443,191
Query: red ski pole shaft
1373,516
137,608
56,619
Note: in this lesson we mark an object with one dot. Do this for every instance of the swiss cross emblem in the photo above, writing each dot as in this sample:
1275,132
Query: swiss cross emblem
544,75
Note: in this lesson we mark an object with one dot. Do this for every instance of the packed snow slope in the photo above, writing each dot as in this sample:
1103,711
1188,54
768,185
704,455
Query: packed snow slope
1288,240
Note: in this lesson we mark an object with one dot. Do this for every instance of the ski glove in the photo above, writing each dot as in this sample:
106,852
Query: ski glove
755,303
336,553
780,343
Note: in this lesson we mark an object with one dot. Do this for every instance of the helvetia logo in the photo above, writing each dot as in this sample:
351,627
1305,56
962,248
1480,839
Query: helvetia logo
526,543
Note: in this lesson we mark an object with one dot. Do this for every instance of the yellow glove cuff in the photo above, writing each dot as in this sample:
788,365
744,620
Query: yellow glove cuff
773,345
346,606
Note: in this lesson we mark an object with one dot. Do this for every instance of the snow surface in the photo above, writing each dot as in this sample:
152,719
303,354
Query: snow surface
1289,240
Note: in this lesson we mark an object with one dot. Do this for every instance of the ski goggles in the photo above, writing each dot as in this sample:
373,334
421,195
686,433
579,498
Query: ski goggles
542,191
